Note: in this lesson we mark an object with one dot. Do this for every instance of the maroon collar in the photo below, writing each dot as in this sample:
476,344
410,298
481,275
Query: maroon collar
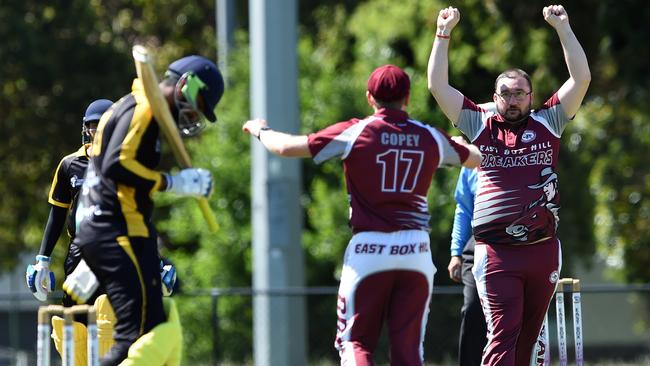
392,115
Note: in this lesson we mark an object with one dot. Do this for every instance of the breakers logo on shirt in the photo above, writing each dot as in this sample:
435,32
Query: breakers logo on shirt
544,157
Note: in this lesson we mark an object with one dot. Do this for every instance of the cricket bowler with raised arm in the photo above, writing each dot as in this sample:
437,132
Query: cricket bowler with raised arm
517,255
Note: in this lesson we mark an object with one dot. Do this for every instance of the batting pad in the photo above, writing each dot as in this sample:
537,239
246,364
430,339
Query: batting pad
80,337
105,322
163,345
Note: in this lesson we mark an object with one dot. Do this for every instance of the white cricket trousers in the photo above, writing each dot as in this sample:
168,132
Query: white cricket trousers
386,277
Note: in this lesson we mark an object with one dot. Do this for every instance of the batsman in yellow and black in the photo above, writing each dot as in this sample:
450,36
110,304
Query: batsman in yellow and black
64,190
115,232
63,198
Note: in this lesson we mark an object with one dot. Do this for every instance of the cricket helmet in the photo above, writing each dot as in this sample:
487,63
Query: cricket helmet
93,113
195,75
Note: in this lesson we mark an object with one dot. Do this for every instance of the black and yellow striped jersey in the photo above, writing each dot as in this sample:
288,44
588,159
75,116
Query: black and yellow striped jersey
121,177
67,181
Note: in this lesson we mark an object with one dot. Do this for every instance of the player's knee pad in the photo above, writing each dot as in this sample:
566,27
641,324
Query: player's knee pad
105,323
80,335
162,345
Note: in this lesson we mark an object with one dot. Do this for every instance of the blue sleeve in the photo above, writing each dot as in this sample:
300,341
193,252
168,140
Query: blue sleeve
464,196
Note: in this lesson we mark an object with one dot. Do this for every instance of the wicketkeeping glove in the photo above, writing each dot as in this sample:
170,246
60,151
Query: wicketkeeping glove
40,279
190,182
81,284
168,278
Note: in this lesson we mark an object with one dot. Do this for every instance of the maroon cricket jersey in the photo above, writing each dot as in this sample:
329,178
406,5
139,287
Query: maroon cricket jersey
517,197
389,161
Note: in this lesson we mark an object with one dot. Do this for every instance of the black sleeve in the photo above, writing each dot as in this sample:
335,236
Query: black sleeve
53,228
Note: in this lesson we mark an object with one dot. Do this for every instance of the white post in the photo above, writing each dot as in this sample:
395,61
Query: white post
43,341
577,323
225,17
561,325
279,321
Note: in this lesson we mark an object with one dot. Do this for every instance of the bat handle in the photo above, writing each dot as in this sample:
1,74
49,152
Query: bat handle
208,215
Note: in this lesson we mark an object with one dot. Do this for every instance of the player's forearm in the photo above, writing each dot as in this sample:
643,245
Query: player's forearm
53,229
574,56
474,158
449,99
284,144
438,66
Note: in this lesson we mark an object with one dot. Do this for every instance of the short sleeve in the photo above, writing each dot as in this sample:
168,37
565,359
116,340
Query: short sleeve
471,120
60,190
451,152
552,115
335,140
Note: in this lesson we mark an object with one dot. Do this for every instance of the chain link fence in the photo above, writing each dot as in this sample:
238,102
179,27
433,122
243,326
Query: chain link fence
615,323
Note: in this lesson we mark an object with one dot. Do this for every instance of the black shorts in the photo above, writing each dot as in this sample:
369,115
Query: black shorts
128,269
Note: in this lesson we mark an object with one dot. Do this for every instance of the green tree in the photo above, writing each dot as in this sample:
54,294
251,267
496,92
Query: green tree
44,93
59,55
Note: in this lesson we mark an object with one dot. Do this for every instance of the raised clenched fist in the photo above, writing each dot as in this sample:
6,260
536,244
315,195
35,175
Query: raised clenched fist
447,19
555,15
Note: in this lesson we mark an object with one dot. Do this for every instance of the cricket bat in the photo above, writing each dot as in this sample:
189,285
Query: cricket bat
160,109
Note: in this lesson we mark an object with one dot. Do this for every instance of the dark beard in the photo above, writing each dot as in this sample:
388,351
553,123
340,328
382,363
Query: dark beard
516,120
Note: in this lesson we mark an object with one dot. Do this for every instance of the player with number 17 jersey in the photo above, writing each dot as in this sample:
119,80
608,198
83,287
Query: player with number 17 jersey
389,161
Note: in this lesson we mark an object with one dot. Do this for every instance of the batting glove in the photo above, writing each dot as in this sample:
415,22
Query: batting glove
168,278
81,284
40,279
190,182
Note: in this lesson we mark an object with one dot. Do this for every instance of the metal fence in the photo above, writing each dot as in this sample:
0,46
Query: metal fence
216,294
18,312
